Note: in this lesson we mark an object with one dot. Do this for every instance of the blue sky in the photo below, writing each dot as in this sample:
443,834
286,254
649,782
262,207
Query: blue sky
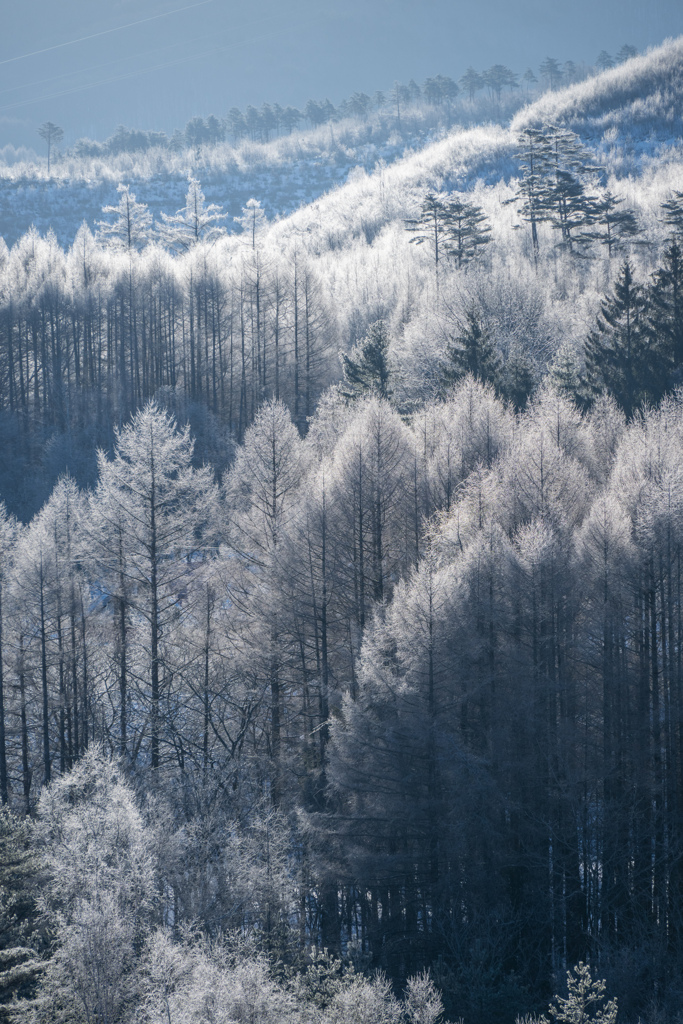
92,64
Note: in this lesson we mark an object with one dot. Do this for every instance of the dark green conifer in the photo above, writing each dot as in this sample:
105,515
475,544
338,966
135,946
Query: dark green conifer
621,357
366,369
20,937
611,226
473,351
430,226
517,379
665,312
673,212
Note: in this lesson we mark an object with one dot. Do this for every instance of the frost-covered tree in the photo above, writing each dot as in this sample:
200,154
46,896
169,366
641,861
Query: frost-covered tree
584,1002
618,226
196,222
468,230
159,510
431,227
131,230
252,220
22,939
100,890
260,495
8,538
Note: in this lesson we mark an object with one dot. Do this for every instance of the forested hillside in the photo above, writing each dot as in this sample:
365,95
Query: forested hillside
341,624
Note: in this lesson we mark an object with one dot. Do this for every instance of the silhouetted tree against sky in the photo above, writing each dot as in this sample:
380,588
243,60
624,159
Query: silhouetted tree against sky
52,135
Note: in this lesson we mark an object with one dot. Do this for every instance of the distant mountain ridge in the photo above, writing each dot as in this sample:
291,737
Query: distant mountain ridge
626,115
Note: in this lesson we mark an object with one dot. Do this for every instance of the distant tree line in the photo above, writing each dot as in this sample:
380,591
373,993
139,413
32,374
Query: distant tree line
260,124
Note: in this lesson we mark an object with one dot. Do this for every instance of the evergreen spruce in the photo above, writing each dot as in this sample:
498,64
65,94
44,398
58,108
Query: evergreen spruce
474,352
621,357
673,212
565,374
517,379
665,314
366,369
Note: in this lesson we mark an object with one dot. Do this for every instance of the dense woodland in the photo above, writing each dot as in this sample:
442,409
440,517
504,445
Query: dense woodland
352,639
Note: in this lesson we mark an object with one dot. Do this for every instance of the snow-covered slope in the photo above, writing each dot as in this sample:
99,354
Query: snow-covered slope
599,110
629,116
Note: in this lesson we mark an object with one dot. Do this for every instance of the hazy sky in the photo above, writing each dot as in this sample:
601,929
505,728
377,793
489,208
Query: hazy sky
92,64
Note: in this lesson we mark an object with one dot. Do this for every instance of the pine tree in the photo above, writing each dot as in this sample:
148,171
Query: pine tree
568,207
604,61
496,78
52,134
467,231
550,70
620,358
431,226
366,370
452,227
618,226
529,79
471,82
625,52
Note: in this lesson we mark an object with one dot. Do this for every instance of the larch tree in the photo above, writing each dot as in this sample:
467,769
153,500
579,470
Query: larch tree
260,495
8,537
196,222
252,220
100,889
160,510
131,229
